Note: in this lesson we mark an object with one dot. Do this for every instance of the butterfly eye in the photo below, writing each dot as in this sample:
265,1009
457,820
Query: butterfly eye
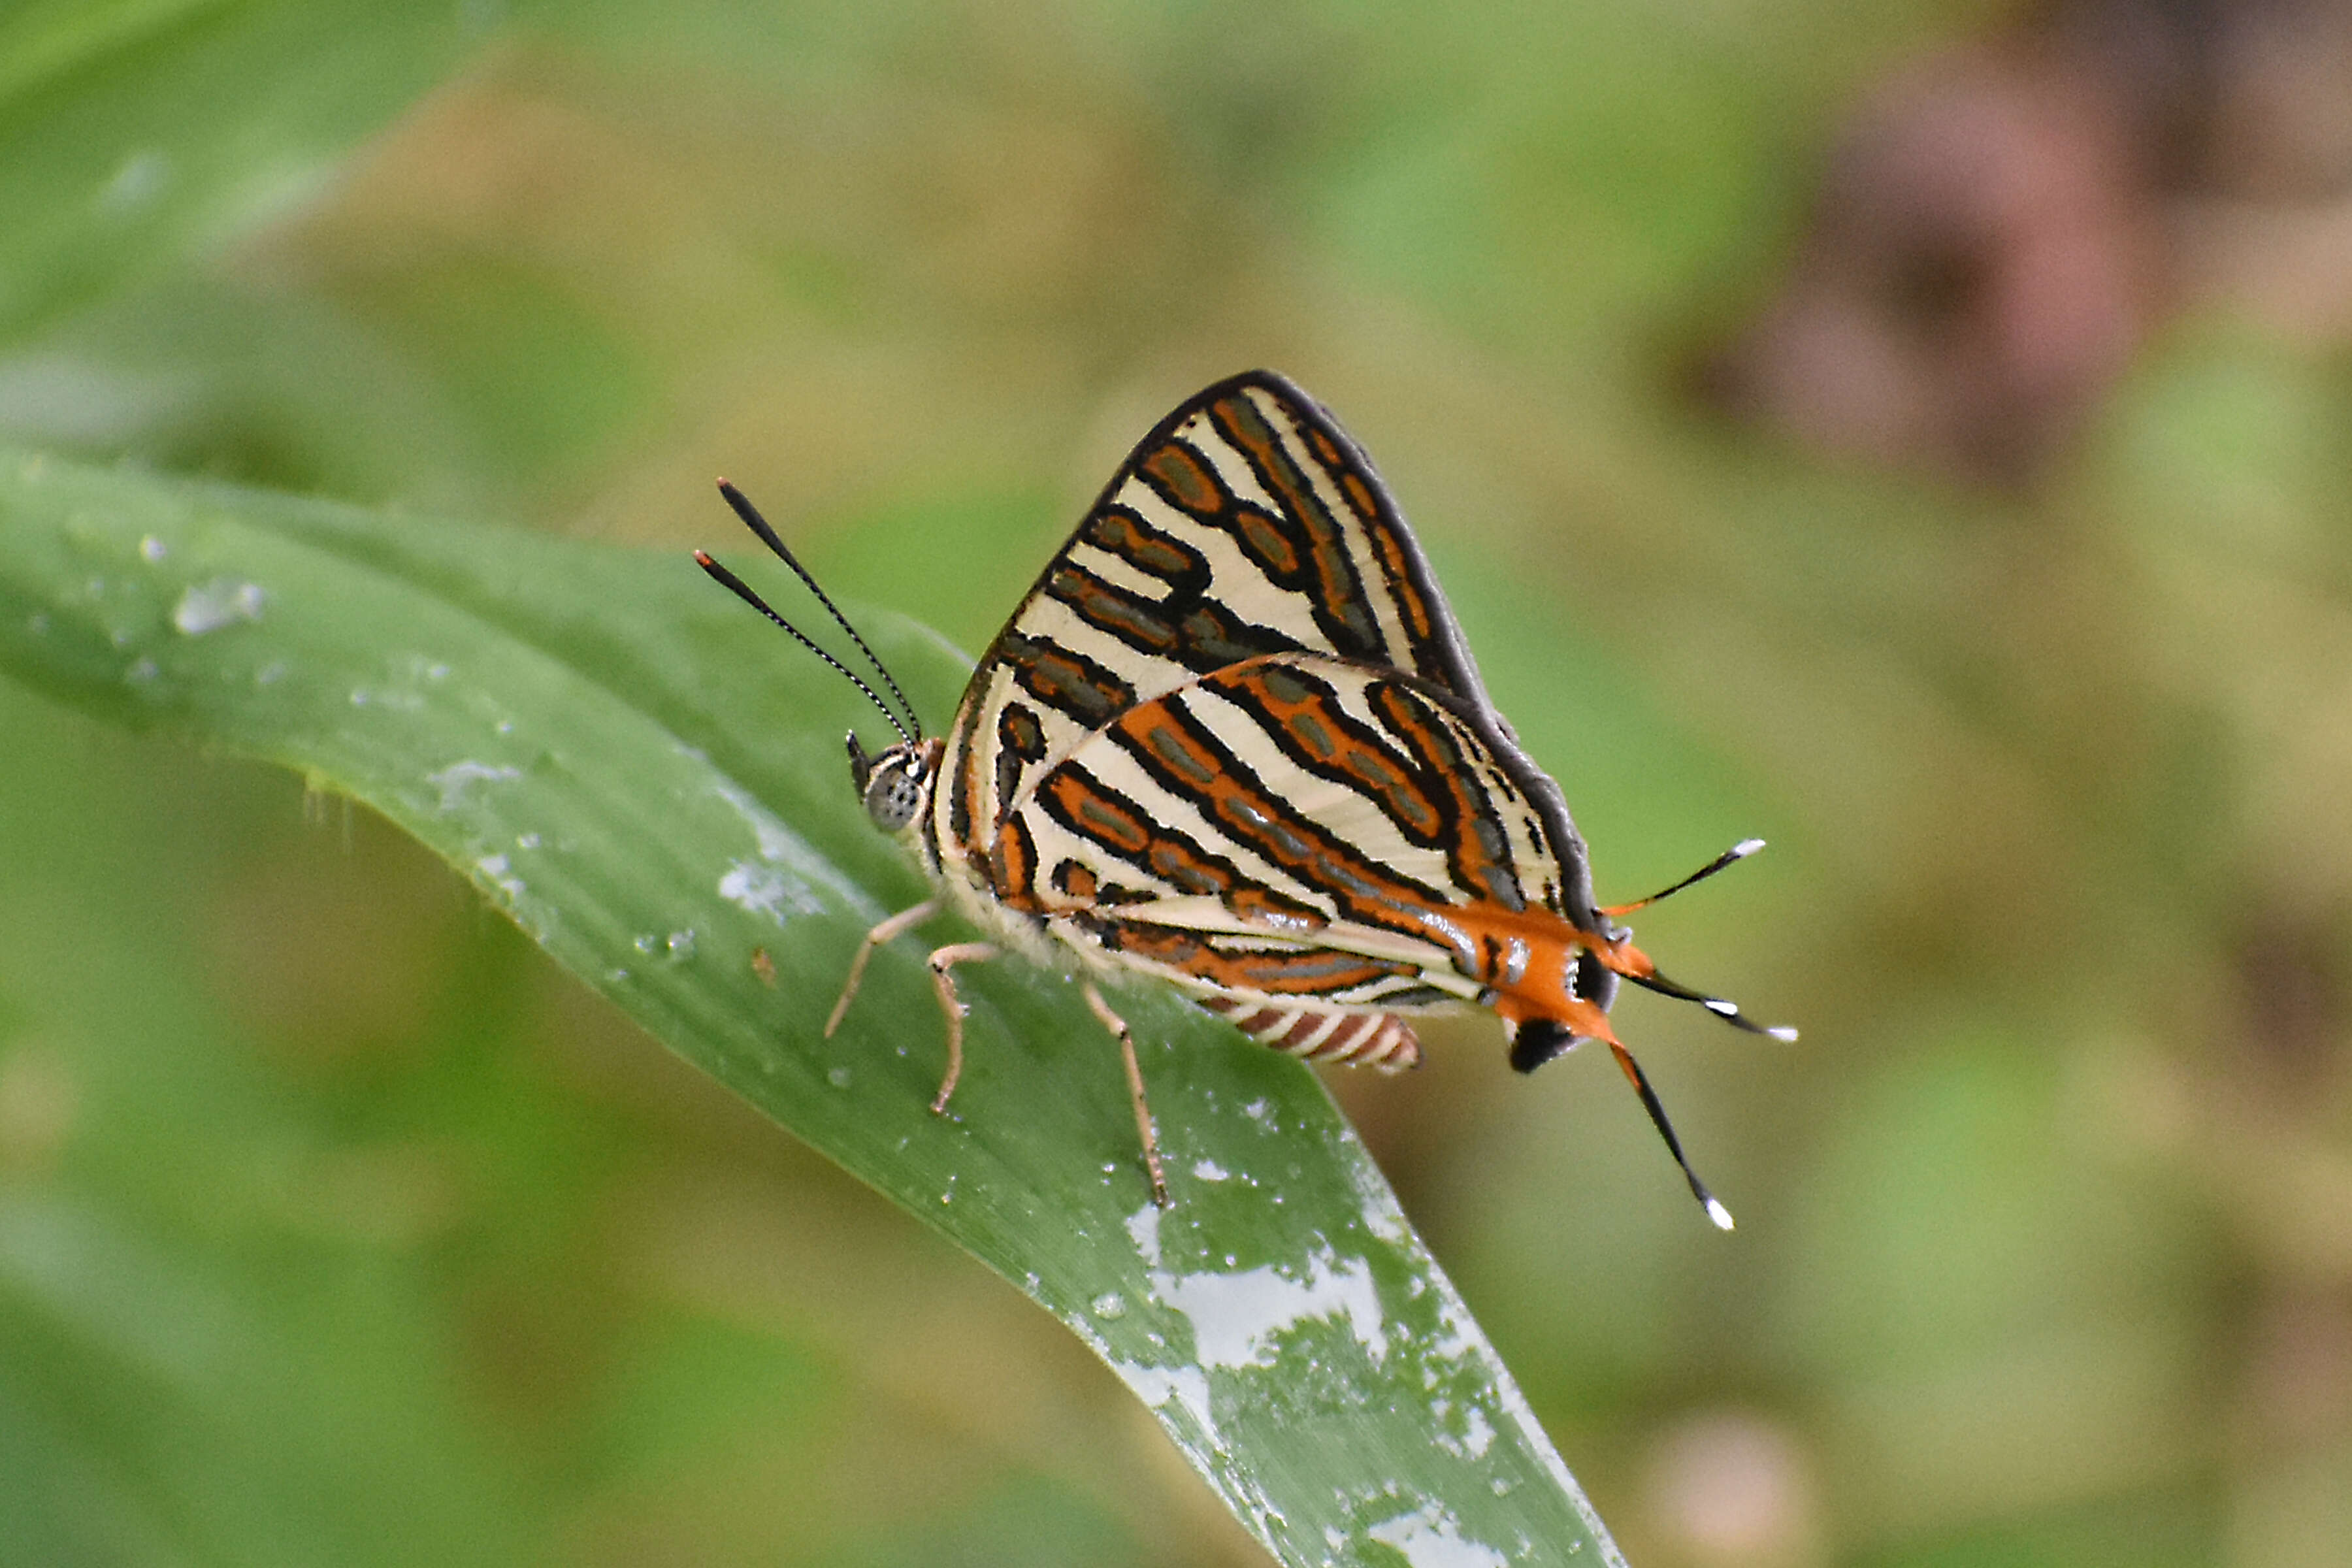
895,793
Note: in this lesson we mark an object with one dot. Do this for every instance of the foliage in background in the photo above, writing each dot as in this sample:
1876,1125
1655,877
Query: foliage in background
2046,1228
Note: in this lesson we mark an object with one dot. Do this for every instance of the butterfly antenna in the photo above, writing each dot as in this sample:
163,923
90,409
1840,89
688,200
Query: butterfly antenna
1738,852
1634,1075
1726,1010
742,591
759,525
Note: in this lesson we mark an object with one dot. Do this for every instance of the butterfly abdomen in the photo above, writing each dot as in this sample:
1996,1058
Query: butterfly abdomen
1378,1040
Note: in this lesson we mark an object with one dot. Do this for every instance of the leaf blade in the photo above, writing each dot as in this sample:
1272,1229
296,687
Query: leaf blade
544,715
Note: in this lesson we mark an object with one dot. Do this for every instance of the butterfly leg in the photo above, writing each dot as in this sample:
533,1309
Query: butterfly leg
904,921
1118,1025
942,960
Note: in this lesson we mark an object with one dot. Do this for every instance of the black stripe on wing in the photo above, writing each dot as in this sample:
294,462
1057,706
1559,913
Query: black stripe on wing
1183,625
1182,756
1101,816
1331,525
1062,679
1430,792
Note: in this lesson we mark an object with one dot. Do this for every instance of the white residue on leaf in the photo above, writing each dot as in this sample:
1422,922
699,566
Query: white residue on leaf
1382,1213
1458,1339
1238,1318
1431,1537
223,602
1187,1386
455,780
1462,1346
764,891
1210,1170
784,882
1143,1229
500,876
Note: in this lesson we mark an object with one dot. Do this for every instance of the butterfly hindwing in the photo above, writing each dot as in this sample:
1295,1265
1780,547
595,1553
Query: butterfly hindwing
1292,827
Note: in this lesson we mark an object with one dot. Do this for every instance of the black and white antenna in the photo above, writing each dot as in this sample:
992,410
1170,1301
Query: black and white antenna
1731,856
1727,1010
728,580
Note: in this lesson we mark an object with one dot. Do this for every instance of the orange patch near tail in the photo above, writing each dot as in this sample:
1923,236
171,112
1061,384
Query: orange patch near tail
1540,988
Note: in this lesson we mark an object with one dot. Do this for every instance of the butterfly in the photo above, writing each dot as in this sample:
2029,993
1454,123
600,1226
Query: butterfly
1233,740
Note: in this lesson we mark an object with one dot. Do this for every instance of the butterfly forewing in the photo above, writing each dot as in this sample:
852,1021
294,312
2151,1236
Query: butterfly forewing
1244,547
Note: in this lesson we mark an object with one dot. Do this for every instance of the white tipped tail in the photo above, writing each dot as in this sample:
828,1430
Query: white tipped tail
1717,1212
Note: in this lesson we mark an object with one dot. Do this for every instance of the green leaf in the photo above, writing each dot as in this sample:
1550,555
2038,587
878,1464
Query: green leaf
650,784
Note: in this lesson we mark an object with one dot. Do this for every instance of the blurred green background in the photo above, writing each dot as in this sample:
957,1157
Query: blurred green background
337,1225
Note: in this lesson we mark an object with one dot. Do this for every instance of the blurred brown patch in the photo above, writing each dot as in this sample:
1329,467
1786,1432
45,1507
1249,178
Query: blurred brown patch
319,947
1730,1488
2000,226
2291,972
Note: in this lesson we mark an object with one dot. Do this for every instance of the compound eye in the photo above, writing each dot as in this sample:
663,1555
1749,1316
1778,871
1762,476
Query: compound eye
893,798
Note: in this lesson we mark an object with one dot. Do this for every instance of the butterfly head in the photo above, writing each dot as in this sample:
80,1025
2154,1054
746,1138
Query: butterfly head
895,782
